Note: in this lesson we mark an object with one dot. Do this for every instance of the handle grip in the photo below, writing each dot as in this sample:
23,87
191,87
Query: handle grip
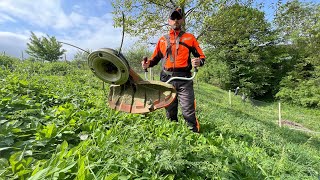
145,59
195,69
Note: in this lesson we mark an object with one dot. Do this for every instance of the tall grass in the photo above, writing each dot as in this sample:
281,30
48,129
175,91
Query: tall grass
57,125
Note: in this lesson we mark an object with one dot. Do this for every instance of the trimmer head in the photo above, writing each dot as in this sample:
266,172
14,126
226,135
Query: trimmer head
128,91
110,66
143,97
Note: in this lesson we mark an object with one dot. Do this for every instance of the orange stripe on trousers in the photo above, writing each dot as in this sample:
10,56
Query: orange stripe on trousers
197,122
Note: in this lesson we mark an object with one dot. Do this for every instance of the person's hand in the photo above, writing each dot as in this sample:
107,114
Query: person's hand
196,62
145,64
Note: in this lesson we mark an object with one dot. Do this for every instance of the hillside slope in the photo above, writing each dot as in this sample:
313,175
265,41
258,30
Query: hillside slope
55,124
259,143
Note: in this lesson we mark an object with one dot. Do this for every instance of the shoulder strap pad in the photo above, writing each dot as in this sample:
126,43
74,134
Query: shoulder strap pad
181,33
168,49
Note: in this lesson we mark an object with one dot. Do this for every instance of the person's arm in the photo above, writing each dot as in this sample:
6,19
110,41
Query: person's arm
155,58
198,54
157,55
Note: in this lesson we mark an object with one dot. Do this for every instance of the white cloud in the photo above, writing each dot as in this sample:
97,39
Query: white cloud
44,13
76,8
13,44
6,18
47,17
12,36
101,3
77,18
101,34
41,13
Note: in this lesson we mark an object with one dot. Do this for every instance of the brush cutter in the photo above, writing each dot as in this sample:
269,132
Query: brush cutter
128,91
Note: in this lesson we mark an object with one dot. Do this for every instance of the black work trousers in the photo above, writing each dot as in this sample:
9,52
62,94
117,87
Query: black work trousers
185,96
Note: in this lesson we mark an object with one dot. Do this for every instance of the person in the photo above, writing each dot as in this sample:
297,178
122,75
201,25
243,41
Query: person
174,50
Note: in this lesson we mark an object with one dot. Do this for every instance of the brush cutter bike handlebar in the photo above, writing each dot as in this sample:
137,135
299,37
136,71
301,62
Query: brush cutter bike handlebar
145,59
184,78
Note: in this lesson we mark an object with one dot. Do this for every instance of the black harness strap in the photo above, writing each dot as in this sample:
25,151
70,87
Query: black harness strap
169,50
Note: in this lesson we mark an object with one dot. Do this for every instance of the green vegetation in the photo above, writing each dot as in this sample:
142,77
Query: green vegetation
44,48
267,59
55,124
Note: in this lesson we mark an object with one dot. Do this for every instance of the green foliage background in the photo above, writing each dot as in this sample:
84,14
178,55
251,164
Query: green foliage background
44,48
55,124
266,59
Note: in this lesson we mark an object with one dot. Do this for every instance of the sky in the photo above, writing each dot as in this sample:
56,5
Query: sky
87,24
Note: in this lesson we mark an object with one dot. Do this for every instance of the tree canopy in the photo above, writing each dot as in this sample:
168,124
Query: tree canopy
44,48
275,59
146,18
299,28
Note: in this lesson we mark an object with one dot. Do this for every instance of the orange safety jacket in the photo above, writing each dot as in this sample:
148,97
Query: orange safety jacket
176,55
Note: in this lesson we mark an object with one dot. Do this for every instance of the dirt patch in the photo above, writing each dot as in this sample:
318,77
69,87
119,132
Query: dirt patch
295,125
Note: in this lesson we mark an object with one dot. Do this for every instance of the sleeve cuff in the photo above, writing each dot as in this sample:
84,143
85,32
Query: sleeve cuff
202,62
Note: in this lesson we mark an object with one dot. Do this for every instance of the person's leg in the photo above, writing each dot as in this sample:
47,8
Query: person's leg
172,110
187,102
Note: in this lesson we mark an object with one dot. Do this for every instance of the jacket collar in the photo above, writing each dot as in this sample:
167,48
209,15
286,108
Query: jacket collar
174,32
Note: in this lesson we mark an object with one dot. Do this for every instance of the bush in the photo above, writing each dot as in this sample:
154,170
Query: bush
215,72
7,62
305,93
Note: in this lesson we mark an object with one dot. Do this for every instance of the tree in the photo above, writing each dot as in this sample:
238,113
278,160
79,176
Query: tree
134,56
82,56
146,18
299,27
44,48
232,28
239,37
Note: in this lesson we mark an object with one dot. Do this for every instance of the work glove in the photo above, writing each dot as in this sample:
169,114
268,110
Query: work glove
196,62
145,63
